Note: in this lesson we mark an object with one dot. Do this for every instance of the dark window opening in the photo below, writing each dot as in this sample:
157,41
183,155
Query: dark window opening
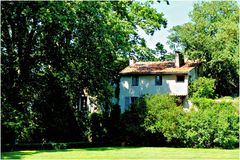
83,103
158,80
135,80
180,78
133,99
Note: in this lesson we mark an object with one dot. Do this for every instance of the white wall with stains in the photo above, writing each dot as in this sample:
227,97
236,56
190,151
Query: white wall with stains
147,86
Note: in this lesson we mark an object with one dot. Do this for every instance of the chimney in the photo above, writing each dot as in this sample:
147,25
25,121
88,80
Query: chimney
132,60
179,59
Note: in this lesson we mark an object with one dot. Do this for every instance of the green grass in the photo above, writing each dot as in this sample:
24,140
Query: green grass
125,153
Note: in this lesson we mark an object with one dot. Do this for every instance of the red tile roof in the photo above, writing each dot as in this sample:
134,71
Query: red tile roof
167,67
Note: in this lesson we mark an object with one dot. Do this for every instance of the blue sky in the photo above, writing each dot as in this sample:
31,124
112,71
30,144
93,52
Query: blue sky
176,13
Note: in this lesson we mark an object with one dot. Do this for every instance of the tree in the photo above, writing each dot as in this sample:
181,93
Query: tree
54,51
160,51
212,37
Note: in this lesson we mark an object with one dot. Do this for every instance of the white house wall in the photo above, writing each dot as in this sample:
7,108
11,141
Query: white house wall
147,86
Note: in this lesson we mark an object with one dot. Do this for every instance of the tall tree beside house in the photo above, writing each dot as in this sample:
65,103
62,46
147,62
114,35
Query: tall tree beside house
53,51
212,36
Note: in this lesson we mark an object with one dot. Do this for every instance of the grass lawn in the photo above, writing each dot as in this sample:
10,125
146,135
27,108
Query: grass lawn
125,153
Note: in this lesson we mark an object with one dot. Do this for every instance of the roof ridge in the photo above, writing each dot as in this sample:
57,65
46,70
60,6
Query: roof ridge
154,62
154,67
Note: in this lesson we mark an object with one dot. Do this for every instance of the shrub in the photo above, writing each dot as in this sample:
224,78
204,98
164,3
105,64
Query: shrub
163,116
156,119
202,88
200,128
113,126
202,103
152,120
133,133
212,125
227,135
97,128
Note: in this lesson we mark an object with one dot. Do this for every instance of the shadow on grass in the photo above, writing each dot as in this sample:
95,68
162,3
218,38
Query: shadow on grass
107,148
16,154
22,154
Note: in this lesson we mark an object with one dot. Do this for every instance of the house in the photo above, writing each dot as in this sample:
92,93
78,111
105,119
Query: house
166,77
87,103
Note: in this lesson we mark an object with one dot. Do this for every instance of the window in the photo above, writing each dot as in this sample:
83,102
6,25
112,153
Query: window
133,99
158,80
127,102
180,78
135,80
83,103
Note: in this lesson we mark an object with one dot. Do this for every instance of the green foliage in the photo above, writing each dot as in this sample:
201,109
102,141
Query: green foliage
234,101
227,127
200,128
209,123
168,57
214,125
113,125
96,127
101,127
212,37
202,88
51,52
17,126
152,120
162,116
132,121
203,103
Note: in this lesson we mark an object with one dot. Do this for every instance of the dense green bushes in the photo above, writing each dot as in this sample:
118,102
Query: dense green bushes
104,127
208,124
214,124
203,87
132,120
156,120
162,116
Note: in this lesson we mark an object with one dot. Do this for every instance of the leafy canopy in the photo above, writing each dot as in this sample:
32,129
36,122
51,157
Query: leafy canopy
212,37
54,52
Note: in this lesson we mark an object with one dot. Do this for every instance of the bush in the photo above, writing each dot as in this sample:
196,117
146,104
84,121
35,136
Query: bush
203,103
202,88
199,128
96,127
227,135
152,120
157,120
213,124
133,133
113,126
163,116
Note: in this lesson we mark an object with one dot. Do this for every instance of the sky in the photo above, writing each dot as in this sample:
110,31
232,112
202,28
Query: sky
176,13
